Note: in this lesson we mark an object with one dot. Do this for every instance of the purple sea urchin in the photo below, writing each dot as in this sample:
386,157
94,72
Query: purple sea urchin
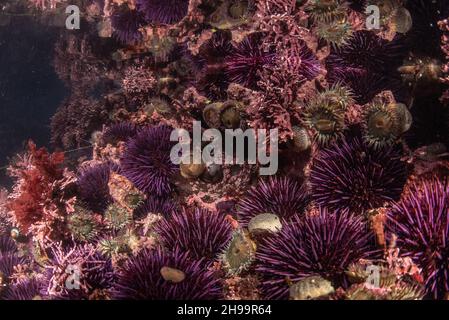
420,220
325,244
215,49
8,262
282,196
93,187
141,278
353,176
7,245
212,81
77,273
365,85
121,131
247,60
28,289
163,11
201,233
126,23
365,50
146,160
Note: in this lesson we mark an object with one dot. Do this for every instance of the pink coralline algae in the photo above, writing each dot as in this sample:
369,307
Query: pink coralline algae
361,116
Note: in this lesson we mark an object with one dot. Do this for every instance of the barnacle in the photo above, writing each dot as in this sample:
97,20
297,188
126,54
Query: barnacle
211,114
264,223
230,115
301,139
310,288
231,14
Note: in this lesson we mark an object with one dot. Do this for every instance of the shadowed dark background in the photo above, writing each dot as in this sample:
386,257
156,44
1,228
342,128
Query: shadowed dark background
30,90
